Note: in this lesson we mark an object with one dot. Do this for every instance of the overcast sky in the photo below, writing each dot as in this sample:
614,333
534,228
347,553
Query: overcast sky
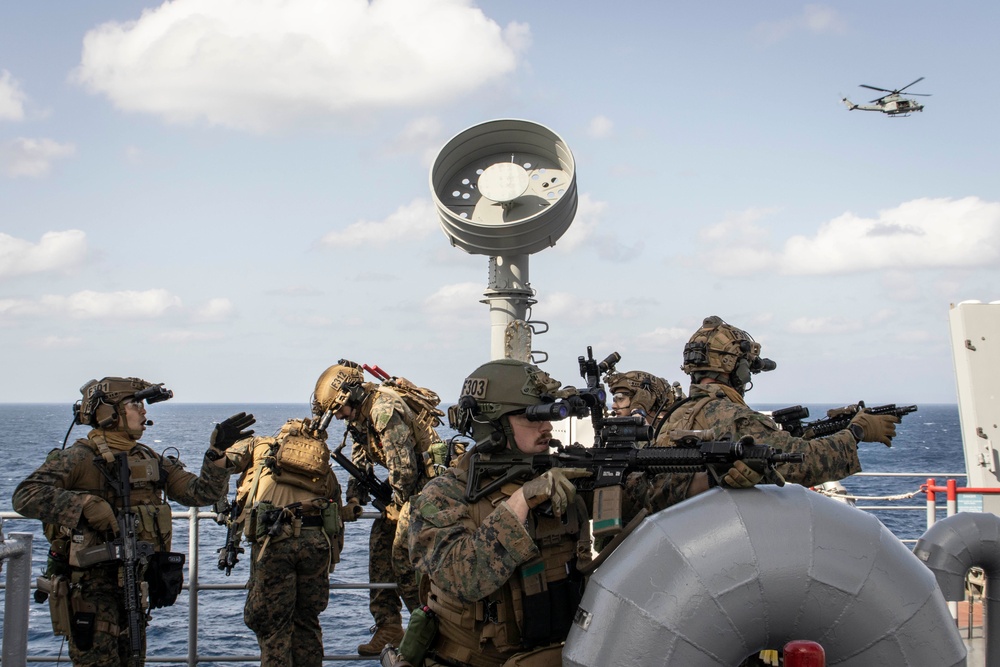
227,197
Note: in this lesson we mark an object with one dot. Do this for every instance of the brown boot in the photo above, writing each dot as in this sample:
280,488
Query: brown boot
384,634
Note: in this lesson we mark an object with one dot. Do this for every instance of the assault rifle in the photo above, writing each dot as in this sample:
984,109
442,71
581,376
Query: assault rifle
227,513
380,490
610,465
133,555
829,425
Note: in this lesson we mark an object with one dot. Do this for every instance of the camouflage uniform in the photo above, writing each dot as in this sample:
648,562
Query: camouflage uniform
499,587
384,438
55,494
720,408
289,573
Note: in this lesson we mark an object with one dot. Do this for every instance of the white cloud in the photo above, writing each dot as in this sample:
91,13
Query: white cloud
12,98
571,308
56,342
185,336
600,127
214,310
916,235
90,305
662,339
32,157
263,64
589,213
823,326
55,251
87,305
815,19
920,234
456,303
415,220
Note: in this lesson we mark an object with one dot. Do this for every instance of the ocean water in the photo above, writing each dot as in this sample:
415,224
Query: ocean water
928,441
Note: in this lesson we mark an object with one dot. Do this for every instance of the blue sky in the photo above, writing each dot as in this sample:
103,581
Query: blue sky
227,197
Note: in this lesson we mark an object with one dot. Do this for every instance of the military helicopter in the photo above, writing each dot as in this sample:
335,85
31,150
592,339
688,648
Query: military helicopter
892,103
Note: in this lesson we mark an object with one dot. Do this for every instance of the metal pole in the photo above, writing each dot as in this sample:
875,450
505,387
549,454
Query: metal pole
193,587
15,608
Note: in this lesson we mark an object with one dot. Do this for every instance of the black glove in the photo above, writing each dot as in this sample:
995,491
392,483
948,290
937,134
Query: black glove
227,432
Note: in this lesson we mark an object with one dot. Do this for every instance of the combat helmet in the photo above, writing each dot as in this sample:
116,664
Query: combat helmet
724,353
647,392
102,402
498,388
339,385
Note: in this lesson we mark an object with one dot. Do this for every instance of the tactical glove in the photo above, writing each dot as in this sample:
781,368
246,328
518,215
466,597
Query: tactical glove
351,511
875,428
98,513
392,513
553,485
227,432
742,476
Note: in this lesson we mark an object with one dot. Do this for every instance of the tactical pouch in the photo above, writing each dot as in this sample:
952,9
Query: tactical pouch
57,588
420,633
165,576
332,525
303,455
265,515
83,624
550,656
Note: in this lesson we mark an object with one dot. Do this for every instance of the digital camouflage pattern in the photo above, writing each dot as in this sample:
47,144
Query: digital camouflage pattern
285,617
720,408
386,440
54,494
290,583
472,553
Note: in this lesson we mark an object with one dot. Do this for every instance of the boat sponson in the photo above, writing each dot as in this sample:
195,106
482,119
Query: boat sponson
722,576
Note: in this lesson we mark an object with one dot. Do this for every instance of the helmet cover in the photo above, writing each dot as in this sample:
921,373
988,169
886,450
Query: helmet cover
333,388
102,399
646,391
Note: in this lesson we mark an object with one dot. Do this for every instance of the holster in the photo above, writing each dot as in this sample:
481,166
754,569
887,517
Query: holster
57,588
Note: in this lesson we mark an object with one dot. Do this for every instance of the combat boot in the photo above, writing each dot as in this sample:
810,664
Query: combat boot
384,634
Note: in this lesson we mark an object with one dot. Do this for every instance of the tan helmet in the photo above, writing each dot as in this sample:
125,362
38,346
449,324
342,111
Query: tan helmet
646,391
495,389
102,399
338,385
724,353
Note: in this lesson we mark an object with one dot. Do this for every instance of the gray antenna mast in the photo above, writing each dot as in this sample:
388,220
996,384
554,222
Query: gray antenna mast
506,189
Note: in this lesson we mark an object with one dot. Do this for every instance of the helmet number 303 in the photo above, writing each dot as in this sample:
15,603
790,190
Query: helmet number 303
475,387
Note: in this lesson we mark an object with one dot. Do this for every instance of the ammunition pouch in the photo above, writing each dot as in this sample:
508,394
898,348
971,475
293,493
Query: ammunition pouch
332,523
83,623
165,576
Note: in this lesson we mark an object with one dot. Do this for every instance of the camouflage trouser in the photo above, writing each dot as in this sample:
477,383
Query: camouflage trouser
289,587
387,564
99,594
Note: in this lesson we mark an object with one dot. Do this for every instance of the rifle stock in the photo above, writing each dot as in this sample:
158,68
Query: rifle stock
380,491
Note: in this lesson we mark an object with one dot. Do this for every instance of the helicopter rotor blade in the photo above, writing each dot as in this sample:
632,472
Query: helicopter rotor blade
884,90
910,84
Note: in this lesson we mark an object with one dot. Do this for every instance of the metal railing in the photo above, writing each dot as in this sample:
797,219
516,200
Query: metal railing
17,589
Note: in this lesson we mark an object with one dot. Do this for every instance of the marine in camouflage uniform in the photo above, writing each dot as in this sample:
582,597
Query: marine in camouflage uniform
642,393
70,494
383,430
502,575
293,517
720,360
